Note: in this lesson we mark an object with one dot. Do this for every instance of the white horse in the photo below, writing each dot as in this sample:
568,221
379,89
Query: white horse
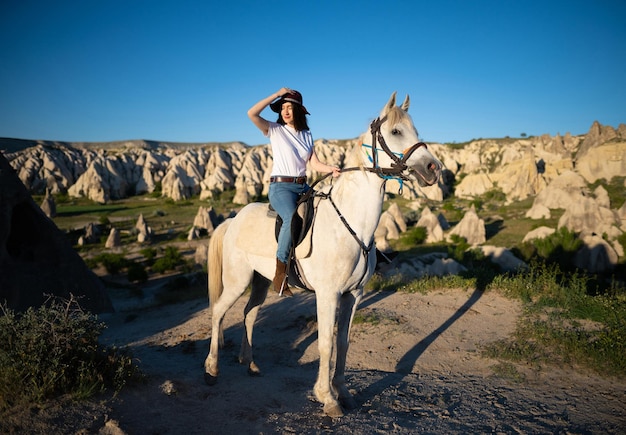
340,259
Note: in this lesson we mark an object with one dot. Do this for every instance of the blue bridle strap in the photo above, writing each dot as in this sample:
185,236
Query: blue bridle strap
401,155
384,177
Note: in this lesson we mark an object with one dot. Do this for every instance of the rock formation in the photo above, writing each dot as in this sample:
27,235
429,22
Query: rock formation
36,259
389,227
596,255
504,258
48,206
113,241
471,227
567,188
538,233
432,224
586,216
206,219
143,230
434,264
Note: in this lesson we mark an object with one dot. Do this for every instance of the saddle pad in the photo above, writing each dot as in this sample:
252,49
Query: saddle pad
256,236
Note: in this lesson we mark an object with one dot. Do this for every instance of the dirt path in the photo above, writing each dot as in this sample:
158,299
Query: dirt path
415,366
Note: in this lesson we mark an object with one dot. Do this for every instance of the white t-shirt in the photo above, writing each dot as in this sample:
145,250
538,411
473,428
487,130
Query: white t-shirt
291,149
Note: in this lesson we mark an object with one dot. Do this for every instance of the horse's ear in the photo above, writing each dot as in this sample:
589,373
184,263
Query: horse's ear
391,103
406,104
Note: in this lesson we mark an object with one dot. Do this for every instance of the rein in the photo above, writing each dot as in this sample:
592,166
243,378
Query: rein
397,169
365,250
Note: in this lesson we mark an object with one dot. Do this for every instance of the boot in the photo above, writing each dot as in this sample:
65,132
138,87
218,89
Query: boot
280,279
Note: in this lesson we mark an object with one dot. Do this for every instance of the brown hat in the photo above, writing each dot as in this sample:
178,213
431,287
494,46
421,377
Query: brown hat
292,97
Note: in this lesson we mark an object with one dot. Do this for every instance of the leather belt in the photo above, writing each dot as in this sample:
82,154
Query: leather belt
297,180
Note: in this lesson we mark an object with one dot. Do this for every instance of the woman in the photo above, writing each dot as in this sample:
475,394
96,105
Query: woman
292,148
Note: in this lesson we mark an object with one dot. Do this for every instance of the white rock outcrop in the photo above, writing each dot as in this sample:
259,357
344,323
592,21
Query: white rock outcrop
470,227
504,258
596,255
114,240
538,233
431,222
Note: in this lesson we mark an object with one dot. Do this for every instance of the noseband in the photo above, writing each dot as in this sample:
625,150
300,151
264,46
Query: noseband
398,165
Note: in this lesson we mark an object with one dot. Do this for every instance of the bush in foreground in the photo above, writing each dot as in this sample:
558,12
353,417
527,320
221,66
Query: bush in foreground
54,350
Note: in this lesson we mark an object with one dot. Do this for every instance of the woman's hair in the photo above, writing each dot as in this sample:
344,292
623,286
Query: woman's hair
299,118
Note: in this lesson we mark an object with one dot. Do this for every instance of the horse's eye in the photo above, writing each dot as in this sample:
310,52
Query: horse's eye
395,131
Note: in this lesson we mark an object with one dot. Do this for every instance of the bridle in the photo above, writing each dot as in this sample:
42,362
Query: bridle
396,170
398,165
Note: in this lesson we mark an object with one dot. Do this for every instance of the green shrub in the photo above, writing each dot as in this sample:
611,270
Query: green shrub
149,254
170,260
136,272
113,263
558,248
415,236
458,247
53,350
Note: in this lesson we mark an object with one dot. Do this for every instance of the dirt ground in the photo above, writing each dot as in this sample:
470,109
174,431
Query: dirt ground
419,369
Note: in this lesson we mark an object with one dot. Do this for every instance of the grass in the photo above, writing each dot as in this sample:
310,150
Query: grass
565,322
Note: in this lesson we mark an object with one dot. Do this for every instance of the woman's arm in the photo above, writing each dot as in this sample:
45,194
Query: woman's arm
254,113
318,166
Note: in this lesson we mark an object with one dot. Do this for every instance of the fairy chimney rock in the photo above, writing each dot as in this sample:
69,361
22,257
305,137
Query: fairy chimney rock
398,217
471,227
206,218
48,205
432,224
144,231
113,241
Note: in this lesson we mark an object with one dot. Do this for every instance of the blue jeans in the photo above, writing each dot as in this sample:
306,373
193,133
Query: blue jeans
283,197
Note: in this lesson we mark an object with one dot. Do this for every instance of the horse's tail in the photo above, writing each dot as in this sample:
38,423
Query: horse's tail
214,267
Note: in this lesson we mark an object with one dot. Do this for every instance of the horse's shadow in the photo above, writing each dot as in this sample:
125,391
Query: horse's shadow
404,366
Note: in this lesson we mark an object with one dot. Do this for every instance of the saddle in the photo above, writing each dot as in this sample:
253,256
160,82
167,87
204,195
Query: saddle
301,223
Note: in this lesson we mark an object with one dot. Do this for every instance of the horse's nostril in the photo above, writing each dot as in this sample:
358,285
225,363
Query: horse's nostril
432,167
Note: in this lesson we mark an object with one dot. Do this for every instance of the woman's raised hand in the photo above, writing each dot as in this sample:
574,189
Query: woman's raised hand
283,91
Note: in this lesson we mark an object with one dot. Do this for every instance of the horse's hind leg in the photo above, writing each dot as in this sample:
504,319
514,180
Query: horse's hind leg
347,307
260,286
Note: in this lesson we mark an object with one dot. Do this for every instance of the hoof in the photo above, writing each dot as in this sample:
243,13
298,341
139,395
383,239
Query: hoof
333,410
210,379
254,370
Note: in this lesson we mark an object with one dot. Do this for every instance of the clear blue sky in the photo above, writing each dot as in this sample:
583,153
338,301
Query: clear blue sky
187,71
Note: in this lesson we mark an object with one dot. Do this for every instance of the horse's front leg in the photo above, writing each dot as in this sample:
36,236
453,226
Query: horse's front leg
347,307
257,297
326,308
